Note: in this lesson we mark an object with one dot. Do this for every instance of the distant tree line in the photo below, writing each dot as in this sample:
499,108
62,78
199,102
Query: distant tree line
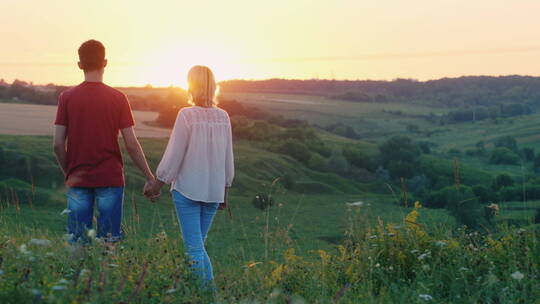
451,92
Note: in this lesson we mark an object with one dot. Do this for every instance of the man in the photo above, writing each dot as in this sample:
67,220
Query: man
89,117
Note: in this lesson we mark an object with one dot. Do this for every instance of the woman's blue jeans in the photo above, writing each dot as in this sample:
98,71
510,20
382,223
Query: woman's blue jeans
195,219
109,201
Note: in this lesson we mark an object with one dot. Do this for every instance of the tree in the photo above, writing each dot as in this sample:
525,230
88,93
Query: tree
502,180
506,142
528,154
503,156
400,155
337,162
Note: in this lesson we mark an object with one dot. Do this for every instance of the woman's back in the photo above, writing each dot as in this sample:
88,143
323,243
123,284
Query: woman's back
199,158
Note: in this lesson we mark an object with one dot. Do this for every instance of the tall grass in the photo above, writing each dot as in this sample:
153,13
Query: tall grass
399,262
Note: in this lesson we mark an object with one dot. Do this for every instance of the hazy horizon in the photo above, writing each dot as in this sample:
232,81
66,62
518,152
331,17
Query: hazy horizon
156,43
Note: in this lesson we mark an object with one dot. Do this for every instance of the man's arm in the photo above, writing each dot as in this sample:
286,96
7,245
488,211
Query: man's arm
136,153
59,146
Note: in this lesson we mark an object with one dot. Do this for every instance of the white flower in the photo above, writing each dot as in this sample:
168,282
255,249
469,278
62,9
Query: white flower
39,242
23,249
63,281
355,204
425,297
414,251
59,287
65,211
91,233
372,236
377,265
518,275
441,243
113,265
423,256
172,290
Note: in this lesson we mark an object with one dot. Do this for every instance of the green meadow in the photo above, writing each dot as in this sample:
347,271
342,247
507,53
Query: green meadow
331,235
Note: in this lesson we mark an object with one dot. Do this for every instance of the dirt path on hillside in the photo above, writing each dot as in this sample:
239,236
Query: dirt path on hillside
28,119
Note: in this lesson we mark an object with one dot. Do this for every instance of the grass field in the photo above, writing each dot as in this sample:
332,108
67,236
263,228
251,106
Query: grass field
307,247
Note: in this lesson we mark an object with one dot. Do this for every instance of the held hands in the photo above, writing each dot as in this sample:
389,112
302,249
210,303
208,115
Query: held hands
152,189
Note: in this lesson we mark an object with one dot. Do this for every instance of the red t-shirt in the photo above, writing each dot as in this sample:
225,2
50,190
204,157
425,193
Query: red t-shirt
93,114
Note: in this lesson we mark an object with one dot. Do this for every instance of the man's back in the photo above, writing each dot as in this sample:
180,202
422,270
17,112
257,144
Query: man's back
93,114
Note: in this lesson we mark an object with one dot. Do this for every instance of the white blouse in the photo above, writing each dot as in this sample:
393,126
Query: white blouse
198,161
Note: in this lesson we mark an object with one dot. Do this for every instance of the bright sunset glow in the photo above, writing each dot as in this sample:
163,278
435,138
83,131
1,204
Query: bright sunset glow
156,42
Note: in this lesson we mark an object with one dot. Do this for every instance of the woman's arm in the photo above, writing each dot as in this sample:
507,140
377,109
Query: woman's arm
229,159
174,153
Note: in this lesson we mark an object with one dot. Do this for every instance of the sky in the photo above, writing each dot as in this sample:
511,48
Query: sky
156,42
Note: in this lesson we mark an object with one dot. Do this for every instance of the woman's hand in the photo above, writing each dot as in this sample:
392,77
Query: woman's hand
152,189
225,200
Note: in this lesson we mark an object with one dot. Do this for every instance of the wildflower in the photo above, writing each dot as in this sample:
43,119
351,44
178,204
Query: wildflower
113,265
441,243
62,281
59,287
91,233
39,242
23,249
252,264
65,211
518,275
275,293
171,290
372,236
377,265
414,251
423,256
425,297
355,204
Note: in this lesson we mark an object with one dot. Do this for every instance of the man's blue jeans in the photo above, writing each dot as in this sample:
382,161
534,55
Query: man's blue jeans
195,219
109,202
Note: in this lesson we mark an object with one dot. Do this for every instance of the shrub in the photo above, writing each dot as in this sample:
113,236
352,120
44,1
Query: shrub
502,180
400,169
359,159
506,142
484,194
295,149
317,162
528,154
337,162
503,156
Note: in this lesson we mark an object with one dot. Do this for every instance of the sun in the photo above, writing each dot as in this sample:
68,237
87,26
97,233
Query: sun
169,65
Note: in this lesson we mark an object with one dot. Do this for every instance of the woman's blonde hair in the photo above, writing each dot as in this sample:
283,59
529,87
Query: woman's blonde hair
202,87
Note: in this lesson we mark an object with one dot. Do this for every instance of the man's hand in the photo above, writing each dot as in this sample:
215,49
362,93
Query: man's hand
151,191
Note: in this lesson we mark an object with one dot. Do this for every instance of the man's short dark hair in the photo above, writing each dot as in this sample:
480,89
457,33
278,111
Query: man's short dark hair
91,55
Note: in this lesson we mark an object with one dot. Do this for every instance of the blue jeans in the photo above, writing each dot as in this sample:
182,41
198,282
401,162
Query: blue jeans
195,219
81,211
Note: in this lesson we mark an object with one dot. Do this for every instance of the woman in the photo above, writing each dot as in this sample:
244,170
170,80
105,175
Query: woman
199,165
